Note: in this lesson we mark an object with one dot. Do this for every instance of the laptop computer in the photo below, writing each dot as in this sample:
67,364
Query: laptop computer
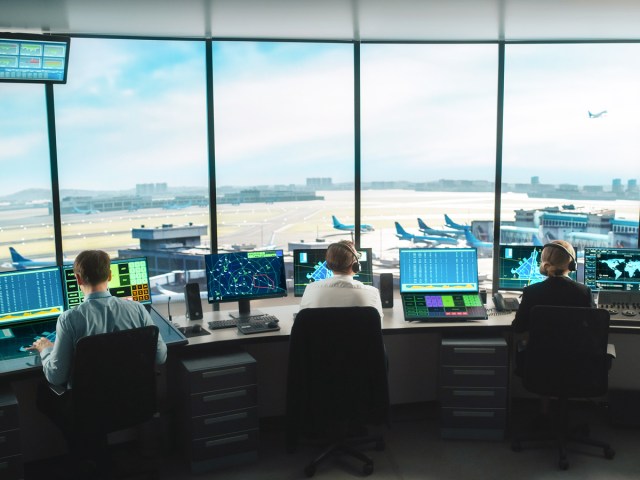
440,285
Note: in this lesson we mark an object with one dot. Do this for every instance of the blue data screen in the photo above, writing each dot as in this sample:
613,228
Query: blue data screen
438,270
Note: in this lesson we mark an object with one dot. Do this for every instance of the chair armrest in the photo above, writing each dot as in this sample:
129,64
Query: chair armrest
611,350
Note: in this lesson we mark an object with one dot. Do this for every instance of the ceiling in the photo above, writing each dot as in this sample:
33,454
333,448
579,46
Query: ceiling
366,20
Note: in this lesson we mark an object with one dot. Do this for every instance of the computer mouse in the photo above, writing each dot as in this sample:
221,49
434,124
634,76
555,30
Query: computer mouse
272,324
196,328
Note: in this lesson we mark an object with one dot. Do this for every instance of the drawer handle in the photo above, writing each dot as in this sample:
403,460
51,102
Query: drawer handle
226,418
223,396
224,441
474,350
474,393
473,372
220,373
473,414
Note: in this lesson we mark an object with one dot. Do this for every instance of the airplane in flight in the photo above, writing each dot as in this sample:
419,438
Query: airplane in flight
364,227
597,115
402,234
472,241
451,224
20,263
424,228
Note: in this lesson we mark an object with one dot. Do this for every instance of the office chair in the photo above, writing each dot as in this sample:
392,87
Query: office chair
113,388
567,356
337,381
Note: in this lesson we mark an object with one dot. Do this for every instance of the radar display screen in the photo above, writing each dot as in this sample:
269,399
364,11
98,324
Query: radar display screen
245,275
519,267
609,268
309,266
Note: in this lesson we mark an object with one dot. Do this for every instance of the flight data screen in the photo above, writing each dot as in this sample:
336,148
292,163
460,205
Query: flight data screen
33,60
245,275
129,279
438,270
28,295
309,266
608,268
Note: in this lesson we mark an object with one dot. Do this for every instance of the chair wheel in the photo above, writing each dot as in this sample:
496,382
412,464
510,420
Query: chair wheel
516,446
609,453
380,446
310,470
367,469
563,464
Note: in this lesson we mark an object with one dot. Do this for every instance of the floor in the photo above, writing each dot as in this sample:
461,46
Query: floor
414,450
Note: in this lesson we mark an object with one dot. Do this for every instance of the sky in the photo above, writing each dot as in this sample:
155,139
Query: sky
135,112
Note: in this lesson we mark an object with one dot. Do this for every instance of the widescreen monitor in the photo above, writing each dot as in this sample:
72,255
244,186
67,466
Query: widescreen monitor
30,295
30,58
438,270
309,266
129,279
245,276
611,268
519,266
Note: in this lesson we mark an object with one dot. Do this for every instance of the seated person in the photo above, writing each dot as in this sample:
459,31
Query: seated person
99,313
558,258
341,290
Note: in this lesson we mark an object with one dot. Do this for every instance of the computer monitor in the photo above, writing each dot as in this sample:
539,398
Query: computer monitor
611,268
245,276
32,58
519,266
309,266
438,270
129,279
30,295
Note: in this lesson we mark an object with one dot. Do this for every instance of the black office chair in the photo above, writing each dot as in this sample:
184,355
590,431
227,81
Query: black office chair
337,381
113,388
567,356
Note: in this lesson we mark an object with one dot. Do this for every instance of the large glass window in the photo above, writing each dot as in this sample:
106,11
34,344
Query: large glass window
26,222
284,143
428,147
132,149
570,157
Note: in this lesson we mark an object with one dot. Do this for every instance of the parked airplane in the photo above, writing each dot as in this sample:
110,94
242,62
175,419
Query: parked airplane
176,206
402,234
451,224
472,241
510,234
364,227
424,228
597,115
19,262
88,211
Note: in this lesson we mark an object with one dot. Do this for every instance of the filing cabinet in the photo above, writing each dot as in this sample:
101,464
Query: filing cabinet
473,387
219,414
10,453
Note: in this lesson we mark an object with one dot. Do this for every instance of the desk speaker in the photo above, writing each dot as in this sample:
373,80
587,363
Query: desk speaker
192,301
386,290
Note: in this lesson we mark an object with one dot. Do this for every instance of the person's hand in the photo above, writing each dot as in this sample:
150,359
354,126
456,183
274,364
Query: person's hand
40,344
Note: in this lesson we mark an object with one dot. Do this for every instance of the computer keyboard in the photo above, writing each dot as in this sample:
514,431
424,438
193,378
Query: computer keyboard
226,323
263,323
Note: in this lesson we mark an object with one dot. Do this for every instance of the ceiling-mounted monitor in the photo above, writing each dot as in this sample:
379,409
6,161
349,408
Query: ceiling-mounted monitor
31,58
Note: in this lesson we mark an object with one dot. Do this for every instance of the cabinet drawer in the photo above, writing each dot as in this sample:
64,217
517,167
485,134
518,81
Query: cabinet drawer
11,467
209,379
462,397
224,400
221,445
223,423
473,417
470,351
9,443
473,376
9,417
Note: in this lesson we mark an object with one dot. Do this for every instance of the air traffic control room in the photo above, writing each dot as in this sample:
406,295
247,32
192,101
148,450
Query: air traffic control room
216,149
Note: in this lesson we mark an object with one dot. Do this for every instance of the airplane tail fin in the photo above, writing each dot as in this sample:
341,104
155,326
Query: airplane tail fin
400,230
336,222
423,226
470,237
536,241
16,257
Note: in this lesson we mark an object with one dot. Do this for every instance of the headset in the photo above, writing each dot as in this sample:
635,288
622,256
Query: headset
572,262
355,266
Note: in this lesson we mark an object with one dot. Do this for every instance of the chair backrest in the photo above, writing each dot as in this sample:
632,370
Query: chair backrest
337,370
567,351
114,380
